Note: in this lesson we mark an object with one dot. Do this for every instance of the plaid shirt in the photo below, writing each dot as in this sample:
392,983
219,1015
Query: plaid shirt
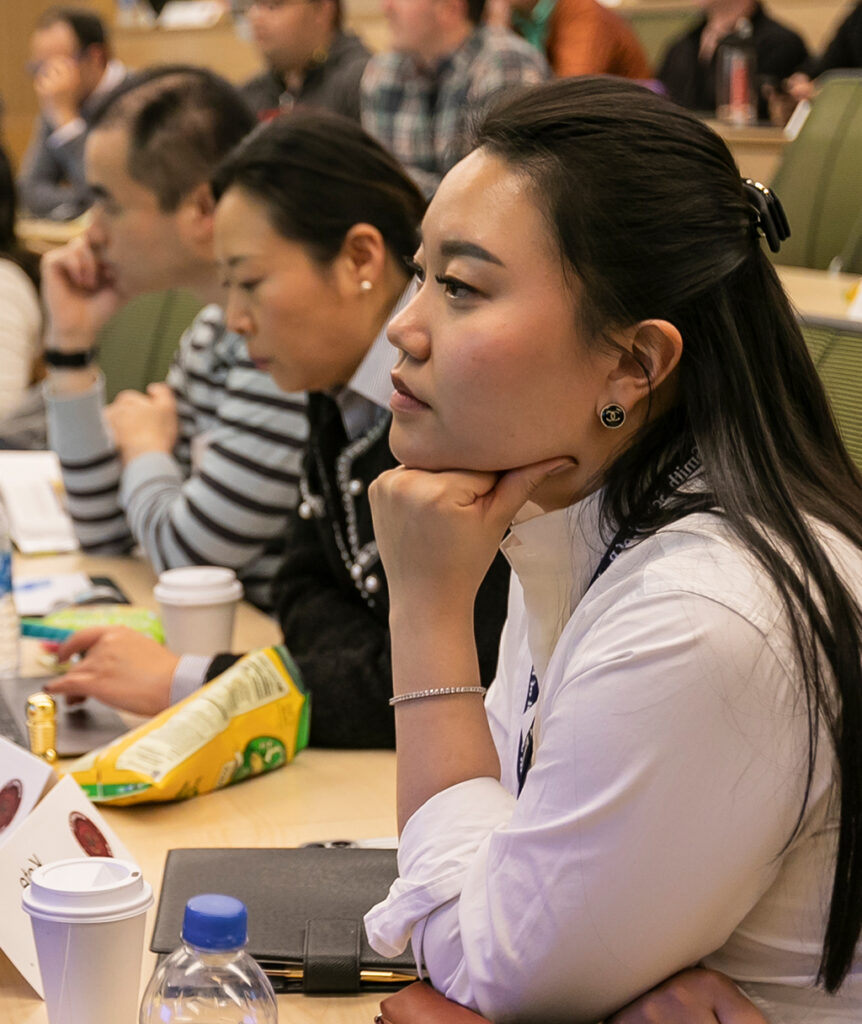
421,115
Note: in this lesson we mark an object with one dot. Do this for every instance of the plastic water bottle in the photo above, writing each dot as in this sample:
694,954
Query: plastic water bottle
9,626
209,978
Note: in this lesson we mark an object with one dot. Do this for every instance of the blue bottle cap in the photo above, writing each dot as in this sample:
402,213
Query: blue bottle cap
215,922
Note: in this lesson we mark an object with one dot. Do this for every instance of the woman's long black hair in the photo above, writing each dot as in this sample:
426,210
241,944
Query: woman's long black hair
652,219
9,245
317,174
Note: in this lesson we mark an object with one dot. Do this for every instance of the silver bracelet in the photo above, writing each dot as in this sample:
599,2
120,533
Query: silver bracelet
442,691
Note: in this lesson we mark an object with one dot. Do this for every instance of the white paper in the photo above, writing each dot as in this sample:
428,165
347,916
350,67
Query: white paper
48,834
31,487
39,595
23,779
192,14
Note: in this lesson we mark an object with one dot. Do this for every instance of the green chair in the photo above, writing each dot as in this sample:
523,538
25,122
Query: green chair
819,180
836,348
657,29
136,346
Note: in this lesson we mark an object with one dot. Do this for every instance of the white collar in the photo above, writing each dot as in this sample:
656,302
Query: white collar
114,73
554,556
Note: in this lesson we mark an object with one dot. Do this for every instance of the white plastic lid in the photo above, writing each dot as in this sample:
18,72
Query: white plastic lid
87,890
198,585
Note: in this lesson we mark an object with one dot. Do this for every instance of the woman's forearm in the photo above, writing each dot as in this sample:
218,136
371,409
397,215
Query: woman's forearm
441,740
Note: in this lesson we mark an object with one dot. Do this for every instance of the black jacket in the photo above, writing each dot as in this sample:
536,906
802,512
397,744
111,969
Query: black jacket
691,82
331,84
331,596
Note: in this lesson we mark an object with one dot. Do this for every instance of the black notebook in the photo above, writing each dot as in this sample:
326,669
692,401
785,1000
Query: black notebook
305,910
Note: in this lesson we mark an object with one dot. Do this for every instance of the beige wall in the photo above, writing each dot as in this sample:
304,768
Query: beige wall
17,18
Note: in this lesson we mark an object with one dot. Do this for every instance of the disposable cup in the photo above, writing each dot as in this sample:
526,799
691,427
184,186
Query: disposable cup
88,916
198,606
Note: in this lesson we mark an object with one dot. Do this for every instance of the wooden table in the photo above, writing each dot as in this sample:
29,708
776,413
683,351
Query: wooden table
322,795
819,292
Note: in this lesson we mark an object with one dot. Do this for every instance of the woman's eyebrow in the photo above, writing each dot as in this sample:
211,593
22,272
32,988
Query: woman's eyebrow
456,247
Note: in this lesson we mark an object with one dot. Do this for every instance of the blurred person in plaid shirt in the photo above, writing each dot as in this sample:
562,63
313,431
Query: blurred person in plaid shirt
443,69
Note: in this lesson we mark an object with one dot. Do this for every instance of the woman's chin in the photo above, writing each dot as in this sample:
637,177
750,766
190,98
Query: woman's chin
414,452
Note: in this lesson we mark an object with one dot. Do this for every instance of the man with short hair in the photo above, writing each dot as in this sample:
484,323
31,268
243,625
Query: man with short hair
72,72
204,468
311,60
444,67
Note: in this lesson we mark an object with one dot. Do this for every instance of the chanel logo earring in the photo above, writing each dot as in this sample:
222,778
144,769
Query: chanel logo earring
612,416
366,286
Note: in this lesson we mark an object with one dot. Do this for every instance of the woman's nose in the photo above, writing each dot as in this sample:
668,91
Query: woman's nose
407,331
237,317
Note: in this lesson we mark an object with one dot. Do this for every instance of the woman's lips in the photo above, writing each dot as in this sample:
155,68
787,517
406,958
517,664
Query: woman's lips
261,362
403,399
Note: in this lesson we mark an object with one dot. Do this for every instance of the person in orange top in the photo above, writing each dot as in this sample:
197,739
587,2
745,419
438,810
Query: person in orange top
579,37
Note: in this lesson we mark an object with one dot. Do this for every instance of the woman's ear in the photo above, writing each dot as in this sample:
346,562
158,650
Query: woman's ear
198,214
362,260
649,353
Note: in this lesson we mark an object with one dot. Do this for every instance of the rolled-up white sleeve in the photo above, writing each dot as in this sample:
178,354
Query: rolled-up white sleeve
438,846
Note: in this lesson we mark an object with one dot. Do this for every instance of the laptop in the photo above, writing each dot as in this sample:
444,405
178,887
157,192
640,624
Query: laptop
80,727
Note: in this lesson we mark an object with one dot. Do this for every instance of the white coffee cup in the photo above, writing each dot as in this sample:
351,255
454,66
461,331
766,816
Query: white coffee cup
198,606
88,916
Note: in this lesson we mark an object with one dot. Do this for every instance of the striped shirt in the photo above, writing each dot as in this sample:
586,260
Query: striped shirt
423,115
222,497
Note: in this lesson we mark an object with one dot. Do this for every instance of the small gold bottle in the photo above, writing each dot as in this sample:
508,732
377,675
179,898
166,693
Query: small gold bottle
42,726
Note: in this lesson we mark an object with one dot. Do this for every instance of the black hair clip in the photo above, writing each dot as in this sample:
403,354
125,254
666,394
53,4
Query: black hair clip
771,218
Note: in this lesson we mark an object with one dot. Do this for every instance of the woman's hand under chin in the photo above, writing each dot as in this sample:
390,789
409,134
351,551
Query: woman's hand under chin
438,532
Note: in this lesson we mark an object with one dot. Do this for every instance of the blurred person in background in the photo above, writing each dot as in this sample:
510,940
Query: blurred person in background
688,70
311,60
203,468
72,72
844,51
444,67
579,37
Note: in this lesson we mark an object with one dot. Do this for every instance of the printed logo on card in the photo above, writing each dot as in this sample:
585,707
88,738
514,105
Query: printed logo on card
88,836
10,801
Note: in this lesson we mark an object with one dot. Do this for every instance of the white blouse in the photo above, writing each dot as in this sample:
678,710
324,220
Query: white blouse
670,751
20,334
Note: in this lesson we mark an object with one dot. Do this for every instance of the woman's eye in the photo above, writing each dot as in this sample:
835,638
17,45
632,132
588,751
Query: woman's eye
415,269
249,286
454,288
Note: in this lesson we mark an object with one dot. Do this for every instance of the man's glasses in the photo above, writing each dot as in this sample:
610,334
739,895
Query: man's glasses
33,67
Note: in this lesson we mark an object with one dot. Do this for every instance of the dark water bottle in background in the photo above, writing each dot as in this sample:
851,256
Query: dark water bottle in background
736,75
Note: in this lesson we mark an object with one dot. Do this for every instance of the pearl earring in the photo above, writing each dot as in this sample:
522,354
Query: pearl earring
366,286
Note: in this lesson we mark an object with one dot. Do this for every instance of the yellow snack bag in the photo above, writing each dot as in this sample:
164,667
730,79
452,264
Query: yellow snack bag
251,719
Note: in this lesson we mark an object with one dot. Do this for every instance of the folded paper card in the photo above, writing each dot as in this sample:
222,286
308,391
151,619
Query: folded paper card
63,824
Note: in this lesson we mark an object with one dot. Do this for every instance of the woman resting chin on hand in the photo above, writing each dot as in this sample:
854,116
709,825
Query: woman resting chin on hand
601,374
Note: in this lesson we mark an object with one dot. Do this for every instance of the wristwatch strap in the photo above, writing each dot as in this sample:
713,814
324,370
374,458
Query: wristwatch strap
70,360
